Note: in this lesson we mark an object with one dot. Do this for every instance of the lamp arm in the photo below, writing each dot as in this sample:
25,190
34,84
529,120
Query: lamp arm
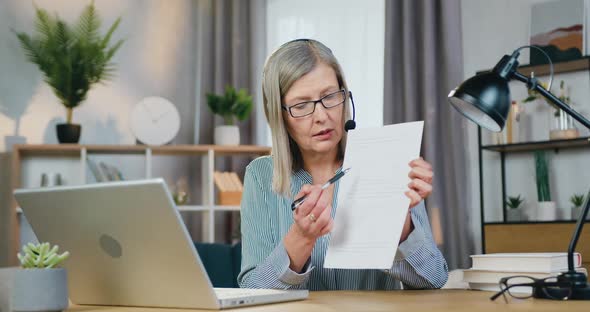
533,85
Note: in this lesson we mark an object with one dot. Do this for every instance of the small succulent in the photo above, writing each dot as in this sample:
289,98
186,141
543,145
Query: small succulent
514,202
41,256
577,200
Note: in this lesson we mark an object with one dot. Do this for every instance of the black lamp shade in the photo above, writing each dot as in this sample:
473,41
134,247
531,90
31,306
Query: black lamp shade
485,99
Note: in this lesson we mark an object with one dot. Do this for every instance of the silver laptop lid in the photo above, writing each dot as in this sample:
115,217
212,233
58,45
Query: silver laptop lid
128,244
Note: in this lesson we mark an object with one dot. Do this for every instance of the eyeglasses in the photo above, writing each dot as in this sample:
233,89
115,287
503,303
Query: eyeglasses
523,287
308,107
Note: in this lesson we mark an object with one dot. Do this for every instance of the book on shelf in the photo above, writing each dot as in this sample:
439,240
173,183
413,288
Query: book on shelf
96,172
103,172
230,188
111,172
524,262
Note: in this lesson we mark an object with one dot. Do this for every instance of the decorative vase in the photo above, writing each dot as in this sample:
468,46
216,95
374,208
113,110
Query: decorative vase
40,290
546,211
227,135
562,126
68,133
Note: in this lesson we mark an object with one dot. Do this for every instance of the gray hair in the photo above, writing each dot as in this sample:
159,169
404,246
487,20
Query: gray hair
286,65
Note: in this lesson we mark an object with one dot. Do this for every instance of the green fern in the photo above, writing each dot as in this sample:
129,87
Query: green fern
232,104
72,58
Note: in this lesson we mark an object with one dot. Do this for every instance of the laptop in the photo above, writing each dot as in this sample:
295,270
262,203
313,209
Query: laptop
129,247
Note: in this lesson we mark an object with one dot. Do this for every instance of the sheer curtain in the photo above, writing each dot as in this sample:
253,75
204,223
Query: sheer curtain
423,61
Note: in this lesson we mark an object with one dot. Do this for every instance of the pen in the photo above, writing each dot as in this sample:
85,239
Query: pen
335,178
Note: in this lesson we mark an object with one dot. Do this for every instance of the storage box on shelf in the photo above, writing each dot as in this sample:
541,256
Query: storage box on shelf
77,167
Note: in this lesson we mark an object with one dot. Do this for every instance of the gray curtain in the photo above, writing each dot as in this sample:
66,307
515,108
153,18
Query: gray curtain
423,62
230,46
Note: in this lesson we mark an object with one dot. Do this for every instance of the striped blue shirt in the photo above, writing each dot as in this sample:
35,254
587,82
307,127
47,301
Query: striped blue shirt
266,219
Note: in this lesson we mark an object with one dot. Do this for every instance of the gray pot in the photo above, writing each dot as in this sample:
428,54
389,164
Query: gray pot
513,214
40,290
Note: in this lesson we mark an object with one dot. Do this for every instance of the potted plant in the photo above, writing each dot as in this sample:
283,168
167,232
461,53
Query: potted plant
513,203
546,210
40,285
72,59
231,106
561,124
577,201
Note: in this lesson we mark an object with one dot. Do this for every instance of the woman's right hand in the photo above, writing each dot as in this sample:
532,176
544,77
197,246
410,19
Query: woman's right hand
313,218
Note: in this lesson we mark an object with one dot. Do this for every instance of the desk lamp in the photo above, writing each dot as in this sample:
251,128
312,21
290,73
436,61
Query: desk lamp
485,100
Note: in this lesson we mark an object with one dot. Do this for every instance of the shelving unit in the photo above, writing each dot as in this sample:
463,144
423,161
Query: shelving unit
207,153
531,236
524,236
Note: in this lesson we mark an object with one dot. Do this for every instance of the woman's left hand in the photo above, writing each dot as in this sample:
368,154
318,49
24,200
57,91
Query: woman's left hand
421,184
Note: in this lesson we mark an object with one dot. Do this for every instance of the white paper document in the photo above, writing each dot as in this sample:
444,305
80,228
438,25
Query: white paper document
372,206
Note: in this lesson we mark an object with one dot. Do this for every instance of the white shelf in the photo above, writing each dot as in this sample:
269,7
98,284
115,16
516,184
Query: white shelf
77,170
204,208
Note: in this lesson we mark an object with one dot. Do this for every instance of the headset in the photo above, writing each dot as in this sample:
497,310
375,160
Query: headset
350,124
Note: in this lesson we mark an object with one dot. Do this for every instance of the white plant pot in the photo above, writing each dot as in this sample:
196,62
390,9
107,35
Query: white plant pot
40,290
546,211
529,212
227,135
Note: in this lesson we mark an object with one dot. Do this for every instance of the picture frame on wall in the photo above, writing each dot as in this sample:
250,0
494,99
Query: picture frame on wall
559,28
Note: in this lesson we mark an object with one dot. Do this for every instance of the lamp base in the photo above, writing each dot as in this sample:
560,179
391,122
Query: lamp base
580,290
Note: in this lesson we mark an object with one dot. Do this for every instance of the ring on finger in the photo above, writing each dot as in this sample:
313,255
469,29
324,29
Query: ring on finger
312,217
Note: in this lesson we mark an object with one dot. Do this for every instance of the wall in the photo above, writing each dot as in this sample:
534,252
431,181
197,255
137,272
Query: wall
157,58
154,60
490,30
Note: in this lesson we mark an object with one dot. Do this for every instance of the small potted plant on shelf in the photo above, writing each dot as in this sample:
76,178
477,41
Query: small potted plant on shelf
577,201
514,213
40,285
546,209
72,59
231,106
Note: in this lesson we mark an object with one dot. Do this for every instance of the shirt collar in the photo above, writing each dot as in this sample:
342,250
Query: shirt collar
304,176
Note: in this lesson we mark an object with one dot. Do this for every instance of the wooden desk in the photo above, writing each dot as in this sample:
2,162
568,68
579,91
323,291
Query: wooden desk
406,300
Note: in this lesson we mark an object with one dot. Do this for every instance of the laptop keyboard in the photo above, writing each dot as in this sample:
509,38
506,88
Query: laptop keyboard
226,293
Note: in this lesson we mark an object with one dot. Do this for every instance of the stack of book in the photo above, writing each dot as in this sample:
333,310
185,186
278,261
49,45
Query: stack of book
487,270
230,188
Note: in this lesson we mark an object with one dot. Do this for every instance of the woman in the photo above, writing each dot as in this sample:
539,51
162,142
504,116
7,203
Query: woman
284,249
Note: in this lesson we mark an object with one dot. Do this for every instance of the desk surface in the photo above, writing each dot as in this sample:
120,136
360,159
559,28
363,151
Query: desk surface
406,300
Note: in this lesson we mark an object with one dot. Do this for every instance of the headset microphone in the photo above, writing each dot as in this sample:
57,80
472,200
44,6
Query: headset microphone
350,124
